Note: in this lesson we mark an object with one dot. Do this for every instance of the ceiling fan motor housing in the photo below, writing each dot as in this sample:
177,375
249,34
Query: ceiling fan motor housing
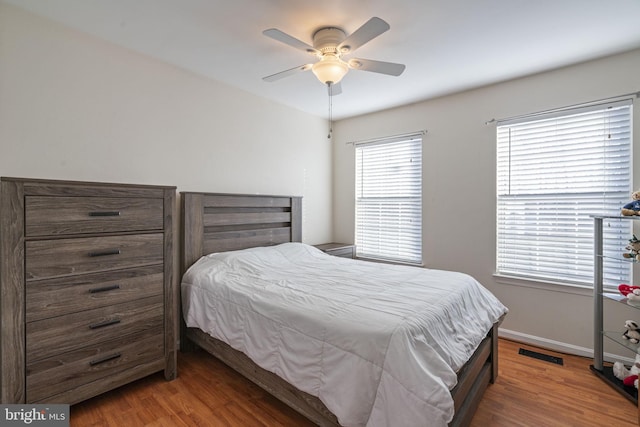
327,39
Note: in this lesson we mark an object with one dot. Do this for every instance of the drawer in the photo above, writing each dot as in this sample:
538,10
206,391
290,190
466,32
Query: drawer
65,295
50,337
57,374
54,216
64,257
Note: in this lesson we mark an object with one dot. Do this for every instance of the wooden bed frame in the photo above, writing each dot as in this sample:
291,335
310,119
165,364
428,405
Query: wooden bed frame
214,222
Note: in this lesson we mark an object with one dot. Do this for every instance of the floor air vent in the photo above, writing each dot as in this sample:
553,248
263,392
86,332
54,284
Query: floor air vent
541,356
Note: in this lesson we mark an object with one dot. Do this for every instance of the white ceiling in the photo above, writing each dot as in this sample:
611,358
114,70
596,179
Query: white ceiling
447,45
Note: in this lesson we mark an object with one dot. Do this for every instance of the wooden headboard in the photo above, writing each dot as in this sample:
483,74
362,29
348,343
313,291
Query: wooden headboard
213,222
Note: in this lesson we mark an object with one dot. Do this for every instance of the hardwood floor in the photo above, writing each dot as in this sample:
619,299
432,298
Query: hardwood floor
528,392
531,392
206,393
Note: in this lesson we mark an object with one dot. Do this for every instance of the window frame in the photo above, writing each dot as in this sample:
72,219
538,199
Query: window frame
385,197
512,275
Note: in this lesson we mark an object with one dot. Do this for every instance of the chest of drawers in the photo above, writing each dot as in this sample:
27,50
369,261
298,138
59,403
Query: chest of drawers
88,296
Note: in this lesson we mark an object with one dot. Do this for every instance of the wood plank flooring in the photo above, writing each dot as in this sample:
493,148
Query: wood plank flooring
531,392
528,392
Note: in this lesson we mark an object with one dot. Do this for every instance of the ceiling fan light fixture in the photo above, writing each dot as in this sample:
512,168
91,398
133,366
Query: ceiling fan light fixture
330,69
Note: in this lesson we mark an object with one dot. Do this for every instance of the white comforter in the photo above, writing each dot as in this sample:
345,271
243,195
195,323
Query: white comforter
378,344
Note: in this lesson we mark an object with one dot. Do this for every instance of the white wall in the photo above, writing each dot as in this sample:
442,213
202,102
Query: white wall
76,108
459,188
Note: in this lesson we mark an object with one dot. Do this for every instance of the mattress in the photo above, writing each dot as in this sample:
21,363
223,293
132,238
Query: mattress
378,344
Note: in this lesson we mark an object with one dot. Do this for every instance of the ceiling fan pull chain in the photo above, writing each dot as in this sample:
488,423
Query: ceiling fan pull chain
330,87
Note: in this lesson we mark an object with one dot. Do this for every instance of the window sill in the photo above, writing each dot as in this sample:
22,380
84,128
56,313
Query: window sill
566,288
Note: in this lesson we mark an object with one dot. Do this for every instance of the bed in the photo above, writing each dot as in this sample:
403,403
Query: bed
223,229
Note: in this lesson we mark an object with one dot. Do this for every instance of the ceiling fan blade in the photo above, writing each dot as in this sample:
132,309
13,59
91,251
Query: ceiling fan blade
368,31
290,40
390,68
335,89
286,73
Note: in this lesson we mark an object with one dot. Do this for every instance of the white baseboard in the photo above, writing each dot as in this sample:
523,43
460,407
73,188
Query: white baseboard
559,346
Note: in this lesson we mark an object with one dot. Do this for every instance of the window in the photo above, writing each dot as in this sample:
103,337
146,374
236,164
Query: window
389,199
554,170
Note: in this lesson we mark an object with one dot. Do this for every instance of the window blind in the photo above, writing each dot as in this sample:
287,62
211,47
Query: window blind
553,171
389,199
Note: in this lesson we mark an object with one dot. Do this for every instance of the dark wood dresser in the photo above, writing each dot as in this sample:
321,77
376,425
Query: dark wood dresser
88,296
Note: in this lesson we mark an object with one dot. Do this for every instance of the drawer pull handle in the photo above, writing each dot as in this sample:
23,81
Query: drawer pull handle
105,323
103,253
104,359
104,289
105,213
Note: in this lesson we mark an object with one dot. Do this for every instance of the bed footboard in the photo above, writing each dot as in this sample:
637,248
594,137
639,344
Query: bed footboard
474,377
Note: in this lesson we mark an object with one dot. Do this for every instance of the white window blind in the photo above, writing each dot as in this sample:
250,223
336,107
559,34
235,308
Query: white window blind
553,171
389,199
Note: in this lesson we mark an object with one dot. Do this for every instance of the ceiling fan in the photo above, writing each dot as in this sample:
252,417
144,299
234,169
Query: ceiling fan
330,46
